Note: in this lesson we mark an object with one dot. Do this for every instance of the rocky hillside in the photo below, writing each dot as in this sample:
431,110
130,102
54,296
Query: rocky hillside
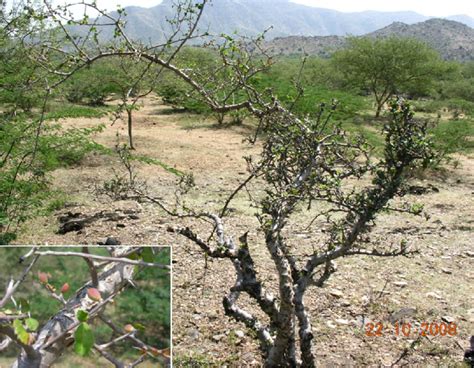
453,40
322,46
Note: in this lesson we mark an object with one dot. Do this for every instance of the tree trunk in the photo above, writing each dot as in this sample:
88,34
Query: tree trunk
130,130
282,354
220,117
379,109
305,329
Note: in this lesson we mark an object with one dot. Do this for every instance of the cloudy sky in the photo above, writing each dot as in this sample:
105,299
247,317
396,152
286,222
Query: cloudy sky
425,7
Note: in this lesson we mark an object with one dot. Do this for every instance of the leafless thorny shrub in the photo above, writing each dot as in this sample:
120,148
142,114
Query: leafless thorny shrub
42,345
123,185
305,164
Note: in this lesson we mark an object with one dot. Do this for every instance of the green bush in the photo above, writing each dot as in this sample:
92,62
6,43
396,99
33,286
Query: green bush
317,89
177,94
31,149
454,136
460,106
91,85
64,110
20,89
430,106
460,89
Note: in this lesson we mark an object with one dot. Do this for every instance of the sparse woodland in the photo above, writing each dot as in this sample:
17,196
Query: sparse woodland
317,160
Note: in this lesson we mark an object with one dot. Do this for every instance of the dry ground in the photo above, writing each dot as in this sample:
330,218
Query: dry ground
435,284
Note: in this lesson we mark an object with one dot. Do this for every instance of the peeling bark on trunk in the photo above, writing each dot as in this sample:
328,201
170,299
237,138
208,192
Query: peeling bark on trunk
305,328
247,281
283,349
111,280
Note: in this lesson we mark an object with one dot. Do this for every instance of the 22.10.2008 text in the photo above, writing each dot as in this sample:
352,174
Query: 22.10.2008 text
407,329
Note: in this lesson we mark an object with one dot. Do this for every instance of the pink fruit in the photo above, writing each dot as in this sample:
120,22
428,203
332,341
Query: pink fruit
94,294
129,328
43,277
65,288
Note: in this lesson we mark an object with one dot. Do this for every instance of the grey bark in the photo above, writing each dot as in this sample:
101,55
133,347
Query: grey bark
283,350
114,277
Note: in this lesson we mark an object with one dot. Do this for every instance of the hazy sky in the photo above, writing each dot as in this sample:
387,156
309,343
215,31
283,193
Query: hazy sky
425,7
438,8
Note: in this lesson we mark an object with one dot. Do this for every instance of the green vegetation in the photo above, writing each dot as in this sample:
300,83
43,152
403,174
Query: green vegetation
33,142
385,67
438,88
67,110
455,136
30,150
287,76
91,85
196,360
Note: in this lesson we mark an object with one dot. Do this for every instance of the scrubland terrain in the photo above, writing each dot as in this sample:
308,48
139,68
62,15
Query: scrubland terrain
279,168
432,286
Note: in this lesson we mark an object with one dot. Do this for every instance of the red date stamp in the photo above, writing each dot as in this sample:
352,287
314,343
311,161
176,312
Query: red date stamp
377,329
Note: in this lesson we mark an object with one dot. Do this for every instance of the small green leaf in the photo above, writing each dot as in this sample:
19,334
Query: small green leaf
24,305
133,257
82,316
147,255
84,339
20,331
138,326
32,324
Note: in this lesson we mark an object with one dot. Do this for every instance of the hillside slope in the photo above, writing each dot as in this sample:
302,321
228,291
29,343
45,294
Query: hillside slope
453,40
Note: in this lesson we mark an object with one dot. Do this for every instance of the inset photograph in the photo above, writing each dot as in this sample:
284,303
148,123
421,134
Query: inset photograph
85,307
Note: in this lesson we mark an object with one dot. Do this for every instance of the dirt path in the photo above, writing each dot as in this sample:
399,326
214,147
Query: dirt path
434,285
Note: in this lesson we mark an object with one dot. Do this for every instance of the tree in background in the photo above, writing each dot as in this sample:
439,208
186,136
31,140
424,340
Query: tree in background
205,67
303,84
132,80
175,91
19,90
387,66
128,79
460,85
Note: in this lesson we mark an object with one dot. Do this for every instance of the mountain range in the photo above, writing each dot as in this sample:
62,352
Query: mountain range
306,27
251,17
